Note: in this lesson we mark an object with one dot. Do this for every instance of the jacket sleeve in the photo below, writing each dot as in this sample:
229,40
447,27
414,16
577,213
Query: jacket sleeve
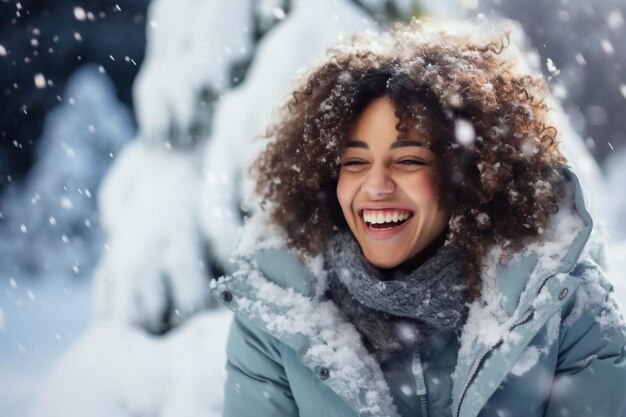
256,383
590,378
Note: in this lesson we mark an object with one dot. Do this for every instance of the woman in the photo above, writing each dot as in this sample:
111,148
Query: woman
426,252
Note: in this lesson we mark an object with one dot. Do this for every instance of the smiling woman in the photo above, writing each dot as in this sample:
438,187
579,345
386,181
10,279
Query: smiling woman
428,249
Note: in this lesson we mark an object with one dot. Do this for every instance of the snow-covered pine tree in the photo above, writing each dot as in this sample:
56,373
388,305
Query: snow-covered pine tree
49,224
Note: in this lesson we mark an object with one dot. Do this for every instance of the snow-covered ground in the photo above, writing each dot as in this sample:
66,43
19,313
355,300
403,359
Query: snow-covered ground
40,322
118,370
49,340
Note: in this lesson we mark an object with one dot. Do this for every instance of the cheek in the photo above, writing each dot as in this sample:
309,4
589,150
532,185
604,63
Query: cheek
425,194
345,194
342,192
424,188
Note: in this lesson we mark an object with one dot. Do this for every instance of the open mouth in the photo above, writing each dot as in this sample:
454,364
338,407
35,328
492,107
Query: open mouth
385,219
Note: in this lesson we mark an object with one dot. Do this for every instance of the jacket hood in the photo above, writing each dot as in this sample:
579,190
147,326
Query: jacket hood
520,292
559,249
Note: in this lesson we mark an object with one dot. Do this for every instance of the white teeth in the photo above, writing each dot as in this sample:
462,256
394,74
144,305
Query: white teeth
380,218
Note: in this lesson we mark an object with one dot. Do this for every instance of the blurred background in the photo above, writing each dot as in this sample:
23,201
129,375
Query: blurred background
125,133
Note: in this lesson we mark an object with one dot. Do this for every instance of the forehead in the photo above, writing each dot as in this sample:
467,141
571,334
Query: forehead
378,124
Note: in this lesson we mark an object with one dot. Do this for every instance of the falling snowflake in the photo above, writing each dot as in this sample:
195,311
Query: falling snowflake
615,20
551,67
40,80
464,132
279,13
79,13
607,46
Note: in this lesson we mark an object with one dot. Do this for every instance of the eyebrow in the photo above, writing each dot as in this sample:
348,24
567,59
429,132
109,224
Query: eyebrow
400,143
397,144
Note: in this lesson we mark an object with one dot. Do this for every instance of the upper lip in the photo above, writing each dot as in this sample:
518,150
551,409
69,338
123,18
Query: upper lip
360,210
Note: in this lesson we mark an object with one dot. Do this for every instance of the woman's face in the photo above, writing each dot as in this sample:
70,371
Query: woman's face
387,187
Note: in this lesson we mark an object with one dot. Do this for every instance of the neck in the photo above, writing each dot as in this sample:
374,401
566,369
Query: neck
416,261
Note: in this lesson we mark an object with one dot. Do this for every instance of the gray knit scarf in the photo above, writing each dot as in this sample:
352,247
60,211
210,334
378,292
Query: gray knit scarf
395,313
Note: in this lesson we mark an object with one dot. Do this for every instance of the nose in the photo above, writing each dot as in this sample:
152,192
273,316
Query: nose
378,183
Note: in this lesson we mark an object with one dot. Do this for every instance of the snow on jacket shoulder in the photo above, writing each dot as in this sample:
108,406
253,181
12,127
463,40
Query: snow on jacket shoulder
545,338
574,365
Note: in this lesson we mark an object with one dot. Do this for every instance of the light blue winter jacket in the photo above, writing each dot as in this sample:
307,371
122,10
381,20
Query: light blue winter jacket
545,339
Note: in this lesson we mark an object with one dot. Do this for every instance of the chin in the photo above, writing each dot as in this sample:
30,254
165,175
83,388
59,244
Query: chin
384,262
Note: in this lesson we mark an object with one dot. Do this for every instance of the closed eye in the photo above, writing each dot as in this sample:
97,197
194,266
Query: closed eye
352,163
411,162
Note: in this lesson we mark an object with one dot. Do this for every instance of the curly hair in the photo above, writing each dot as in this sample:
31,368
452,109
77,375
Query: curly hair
500,186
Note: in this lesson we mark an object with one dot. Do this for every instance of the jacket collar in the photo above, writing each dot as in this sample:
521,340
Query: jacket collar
313,327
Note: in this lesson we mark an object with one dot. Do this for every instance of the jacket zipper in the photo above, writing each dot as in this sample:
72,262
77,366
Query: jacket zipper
482,358
420,384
